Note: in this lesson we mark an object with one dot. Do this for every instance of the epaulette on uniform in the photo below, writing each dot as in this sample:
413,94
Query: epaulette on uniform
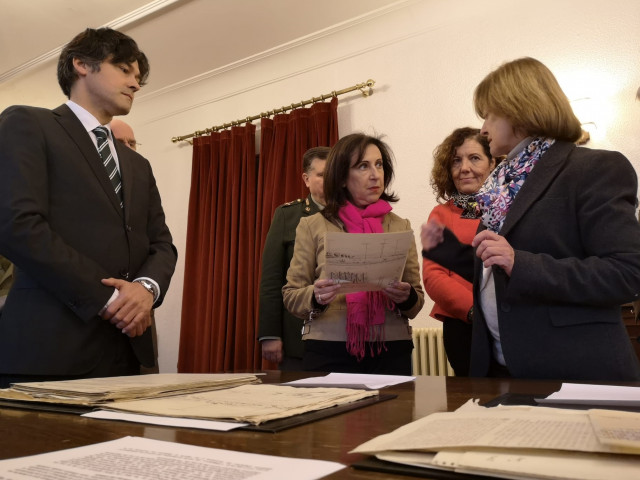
293,202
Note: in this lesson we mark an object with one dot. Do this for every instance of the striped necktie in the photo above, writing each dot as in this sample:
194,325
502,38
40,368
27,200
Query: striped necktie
108,160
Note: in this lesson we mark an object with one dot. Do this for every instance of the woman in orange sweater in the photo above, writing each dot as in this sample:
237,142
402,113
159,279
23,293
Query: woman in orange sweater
461,164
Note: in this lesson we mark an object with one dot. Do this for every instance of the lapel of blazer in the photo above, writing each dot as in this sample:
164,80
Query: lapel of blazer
386,223
545,171
76,131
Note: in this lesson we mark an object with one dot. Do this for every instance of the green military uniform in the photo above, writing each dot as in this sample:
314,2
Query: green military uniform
275,321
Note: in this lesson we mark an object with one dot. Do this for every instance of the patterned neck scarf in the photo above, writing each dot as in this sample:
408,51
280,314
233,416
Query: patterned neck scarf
503,184
365,310
467,203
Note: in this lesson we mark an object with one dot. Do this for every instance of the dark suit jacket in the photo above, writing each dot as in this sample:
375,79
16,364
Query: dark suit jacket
63,228
275,320
577,259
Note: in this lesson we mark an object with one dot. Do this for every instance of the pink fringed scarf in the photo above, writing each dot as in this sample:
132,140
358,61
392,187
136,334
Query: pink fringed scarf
365,310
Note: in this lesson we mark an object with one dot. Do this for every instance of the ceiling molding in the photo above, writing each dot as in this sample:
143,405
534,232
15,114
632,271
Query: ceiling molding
117,24
332,30
273,80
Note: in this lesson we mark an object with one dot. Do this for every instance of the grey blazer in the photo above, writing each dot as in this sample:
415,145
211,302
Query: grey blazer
577,259
63,228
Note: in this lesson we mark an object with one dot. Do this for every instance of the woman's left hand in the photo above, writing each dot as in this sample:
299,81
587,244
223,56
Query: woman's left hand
398,292
493,249
325,291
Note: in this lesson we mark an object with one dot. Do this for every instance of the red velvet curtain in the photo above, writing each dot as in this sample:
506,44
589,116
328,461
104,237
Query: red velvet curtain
219,269
231,202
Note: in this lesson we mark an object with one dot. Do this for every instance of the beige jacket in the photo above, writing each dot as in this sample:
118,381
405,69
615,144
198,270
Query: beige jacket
307,265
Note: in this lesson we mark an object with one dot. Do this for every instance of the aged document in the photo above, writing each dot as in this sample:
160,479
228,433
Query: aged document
253,404
543,464
619,430
518,442
366,261
146,459
93,391
518,465
493,427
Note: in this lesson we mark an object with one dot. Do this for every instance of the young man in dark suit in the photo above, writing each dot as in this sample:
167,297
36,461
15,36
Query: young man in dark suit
82,221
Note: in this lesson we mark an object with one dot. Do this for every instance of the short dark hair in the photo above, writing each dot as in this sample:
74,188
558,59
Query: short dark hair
441,178
94,47
315,152
336,171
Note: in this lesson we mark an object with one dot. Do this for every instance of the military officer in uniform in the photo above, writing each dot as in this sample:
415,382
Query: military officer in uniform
279,332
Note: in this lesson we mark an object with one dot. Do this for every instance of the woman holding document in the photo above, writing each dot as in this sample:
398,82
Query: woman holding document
558,249
359,332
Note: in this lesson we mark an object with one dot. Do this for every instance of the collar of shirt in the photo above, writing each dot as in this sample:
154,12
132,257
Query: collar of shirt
518,148
318,204
89,122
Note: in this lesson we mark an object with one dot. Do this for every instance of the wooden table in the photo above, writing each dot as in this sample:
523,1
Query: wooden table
28,432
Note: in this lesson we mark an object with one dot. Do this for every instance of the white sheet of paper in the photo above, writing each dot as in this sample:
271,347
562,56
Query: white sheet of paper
366,261
147,459
573,393
166,421
351,380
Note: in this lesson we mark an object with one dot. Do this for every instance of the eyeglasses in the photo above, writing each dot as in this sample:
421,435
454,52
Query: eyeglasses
132,144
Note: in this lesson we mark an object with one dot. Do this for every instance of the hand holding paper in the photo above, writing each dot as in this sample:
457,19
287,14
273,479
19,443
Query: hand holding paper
398,292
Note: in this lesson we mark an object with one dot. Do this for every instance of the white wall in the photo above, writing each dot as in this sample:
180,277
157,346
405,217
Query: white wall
426,58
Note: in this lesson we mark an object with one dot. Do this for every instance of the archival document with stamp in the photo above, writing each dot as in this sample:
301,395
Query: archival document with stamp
366,261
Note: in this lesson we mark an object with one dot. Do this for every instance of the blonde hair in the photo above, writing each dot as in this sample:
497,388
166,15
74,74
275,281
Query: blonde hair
529,96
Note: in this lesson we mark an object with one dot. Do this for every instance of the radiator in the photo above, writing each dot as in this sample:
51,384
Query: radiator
429,357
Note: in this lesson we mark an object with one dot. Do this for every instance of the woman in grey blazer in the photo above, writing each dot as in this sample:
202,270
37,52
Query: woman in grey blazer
558,248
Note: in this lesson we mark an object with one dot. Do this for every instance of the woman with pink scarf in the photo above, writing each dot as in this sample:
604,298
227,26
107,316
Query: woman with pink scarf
361,332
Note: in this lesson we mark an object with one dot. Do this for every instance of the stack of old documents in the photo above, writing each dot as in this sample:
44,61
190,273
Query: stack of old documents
237,397
97,391
253,404
518,442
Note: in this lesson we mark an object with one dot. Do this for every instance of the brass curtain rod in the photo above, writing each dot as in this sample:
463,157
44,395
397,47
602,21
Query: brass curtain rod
366,88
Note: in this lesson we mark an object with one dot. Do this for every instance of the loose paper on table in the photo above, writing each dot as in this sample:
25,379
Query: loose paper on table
352,380
147,459
601,395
